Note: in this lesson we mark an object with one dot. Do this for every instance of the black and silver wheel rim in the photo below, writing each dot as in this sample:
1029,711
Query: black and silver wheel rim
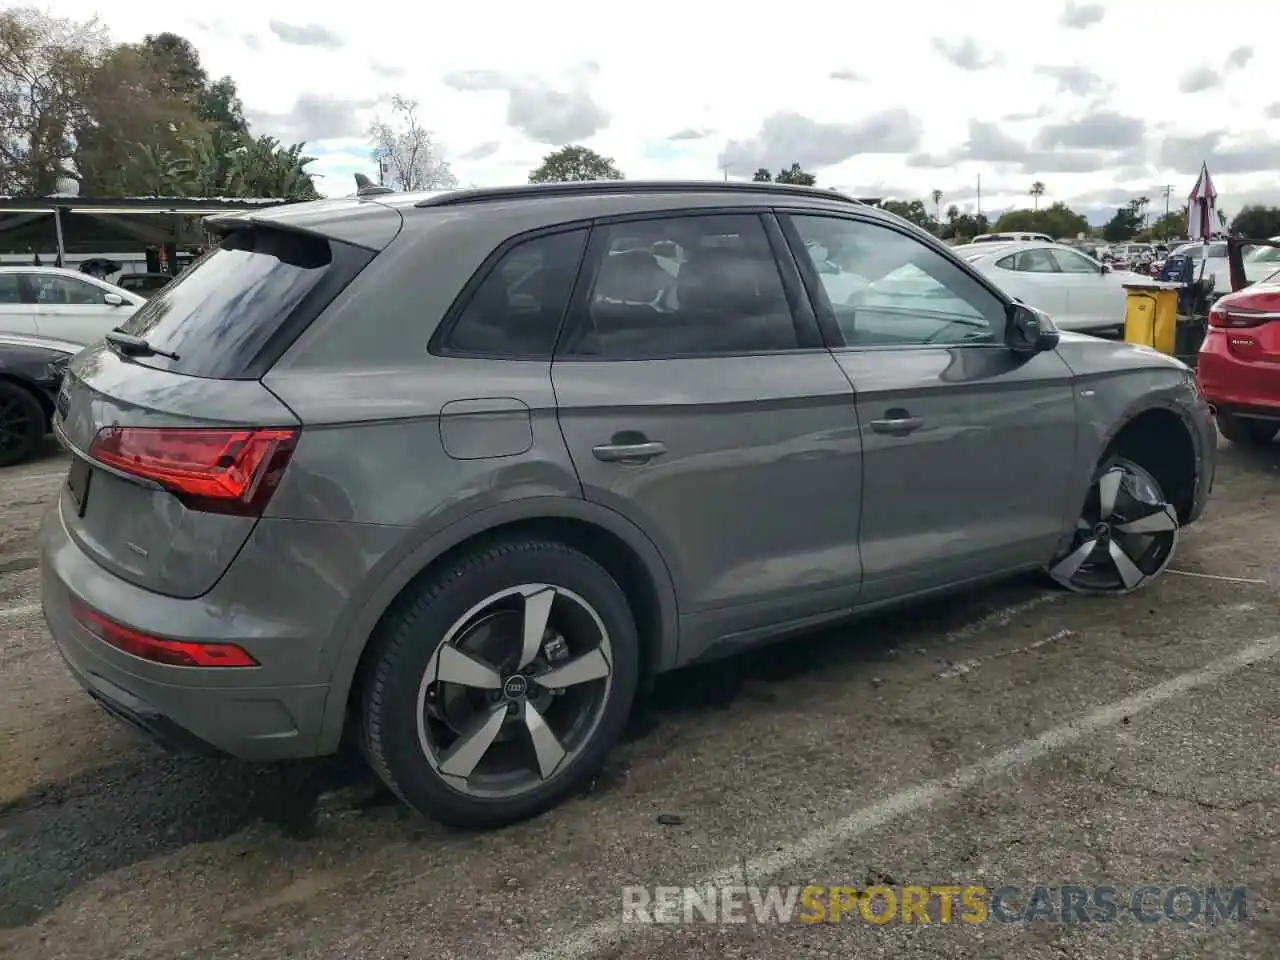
515,691
1125,536
15,424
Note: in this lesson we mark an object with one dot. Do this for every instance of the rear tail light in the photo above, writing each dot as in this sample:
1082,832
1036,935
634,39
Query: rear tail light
175,653
1253,311
218,471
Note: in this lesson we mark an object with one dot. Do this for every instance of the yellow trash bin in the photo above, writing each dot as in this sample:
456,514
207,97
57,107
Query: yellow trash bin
1151,314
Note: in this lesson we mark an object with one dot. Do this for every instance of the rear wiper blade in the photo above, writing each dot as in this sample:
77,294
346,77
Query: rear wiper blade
132,346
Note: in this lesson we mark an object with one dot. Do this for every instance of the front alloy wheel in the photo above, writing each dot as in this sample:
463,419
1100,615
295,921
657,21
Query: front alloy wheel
1125,537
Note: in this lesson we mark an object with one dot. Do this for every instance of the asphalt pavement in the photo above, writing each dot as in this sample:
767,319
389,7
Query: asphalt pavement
1002,742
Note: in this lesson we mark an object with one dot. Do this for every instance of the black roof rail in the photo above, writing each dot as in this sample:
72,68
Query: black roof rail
604,187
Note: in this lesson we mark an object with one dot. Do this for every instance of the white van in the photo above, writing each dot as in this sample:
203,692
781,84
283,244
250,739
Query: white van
1011,238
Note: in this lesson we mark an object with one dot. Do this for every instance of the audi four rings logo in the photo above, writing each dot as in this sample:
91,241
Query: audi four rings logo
515,687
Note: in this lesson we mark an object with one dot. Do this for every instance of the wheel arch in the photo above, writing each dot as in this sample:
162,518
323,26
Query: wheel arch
1161,439
610,539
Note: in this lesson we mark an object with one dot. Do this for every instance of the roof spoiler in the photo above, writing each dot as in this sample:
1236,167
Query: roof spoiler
367,188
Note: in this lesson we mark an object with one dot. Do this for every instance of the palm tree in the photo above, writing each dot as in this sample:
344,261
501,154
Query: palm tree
1143,202
937,205
1037,191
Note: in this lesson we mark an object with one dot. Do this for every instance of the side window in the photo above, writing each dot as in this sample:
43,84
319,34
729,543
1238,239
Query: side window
684,286
516,310
65,291
889,289
1217,251
1069,261
10,288
1034,261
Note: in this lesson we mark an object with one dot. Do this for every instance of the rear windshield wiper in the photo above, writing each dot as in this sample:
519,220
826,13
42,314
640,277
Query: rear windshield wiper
132,346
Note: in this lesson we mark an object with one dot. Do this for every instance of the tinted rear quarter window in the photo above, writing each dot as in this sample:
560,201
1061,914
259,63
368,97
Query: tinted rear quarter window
224,315
515,310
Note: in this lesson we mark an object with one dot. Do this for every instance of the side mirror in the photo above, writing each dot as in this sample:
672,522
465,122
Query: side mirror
1029,331
113,299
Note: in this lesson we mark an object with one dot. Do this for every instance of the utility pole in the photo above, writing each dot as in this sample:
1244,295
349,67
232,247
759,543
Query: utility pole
724,168
1168,192
979,194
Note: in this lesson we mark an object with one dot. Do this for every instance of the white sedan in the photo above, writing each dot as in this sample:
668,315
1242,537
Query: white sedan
62,304
1077,291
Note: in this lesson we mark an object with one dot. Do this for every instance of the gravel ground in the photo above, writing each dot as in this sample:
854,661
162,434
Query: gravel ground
1014,737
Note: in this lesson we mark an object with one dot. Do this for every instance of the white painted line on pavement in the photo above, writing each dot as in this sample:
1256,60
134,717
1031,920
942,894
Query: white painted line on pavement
1001,617
968,666
1212,576
588,940
44,476
23,610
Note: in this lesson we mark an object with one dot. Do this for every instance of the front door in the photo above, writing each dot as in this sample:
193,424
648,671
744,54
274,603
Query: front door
68,308
1094,299
698,401
967,448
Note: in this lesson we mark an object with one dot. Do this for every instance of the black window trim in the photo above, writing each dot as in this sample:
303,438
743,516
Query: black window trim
438,344
808,336
822,305
26,292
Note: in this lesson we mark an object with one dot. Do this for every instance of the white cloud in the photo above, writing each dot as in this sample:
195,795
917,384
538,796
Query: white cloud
686,68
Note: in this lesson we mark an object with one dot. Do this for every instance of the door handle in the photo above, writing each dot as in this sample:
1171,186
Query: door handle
629,452
897,426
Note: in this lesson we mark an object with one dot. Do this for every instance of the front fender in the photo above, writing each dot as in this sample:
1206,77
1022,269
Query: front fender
394,574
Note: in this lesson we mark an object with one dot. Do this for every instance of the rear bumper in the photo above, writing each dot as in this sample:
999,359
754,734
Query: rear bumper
1232,385
210,711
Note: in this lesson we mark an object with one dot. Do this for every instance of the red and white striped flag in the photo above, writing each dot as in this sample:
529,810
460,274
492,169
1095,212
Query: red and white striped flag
1202,208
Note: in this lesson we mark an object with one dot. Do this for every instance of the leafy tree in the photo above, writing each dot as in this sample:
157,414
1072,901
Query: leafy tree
912,210
1171,224
936,197
1057,220
1037,191
795,175
966,226
407,152
574,163
1125,224
45,63
1257,222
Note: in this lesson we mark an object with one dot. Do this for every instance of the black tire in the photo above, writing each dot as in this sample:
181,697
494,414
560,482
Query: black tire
1154,547
414,628
22,424
1245,431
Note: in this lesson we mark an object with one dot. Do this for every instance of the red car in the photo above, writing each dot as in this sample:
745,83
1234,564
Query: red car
1239,362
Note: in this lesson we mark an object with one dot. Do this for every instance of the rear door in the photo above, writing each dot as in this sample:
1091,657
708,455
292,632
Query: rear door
697,400
69,308
967,448
175,452
17,308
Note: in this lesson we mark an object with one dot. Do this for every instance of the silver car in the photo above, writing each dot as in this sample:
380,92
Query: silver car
459,474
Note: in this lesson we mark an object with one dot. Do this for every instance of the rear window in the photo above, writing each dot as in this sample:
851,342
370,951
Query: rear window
237,308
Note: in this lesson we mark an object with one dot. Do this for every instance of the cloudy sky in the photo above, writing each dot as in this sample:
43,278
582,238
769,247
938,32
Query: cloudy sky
1102,100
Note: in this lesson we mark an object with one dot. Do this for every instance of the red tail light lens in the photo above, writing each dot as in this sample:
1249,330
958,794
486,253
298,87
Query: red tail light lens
175,653
219,471
1253,310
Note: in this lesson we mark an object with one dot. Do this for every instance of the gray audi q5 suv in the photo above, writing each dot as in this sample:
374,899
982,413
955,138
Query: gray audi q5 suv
460,473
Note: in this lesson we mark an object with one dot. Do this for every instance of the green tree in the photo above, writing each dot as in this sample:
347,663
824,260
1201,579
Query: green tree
1037,191
1257,222
936,197
795,175
573,163
1124,224
762,176
911,210
1057,220
1171,224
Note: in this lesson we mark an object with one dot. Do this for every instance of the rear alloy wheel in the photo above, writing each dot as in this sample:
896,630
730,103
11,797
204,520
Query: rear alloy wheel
21,424
1126,534
502,685
1246,431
